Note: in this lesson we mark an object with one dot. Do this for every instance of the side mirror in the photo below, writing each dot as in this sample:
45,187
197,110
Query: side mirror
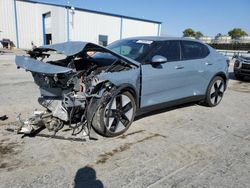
158,59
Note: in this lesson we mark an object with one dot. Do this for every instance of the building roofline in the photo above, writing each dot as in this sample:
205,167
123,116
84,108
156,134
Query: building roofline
93,11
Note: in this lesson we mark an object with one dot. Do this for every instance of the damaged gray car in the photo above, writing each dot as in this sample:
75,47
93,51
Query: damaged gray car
91,88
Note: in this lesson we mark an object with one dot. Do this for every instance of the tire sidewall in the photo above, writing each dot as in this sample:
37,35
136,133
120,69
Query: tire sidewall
208,100
98,120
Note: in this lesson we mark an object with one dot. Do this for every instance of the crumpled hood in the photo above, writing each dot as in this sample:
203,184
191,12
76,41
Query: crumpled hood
67,48
75,47
33,65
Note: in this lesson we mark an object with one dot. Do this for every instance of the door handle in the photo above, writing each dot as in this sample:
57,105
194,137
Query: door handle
207,63
179,67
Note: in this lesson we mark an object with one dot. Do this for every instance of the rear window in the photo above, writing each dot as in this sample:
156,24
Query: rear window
193,50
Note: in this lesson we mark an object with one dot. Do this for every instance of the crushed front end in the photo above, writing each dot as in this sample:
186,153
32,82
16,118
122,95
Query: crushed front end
67,76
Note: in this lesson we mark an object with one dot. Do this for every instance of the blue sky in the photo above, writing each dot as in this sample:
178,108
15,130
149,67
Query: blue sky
208,16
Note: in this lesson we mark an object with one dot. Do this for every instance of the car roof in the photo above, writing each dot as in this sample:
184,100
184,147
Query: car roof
155,38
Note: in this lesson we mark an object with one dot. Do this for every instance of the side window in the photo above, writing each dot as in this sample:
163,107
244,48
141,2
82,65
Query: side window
169,49
193,50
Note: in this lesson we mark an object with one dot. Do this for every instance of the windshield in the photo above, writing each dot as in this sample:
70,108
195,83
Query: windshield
134,49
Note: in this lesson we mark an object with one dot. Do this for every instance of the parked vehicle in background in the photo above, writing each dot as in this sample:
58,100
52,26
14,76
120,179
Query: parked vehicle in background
106,90
7,43
242,66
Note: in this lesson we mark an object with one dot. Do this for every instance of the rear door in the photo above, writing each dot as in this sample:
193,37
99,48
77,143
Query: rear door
194,58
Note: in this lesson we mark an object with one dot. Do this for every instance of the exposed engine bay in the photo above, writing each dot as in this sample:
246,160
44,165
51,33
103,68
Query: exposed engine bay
72,87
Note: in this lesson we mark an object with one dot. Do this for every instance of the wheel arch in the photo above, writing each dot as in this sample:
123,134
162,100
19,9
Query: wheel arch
223,76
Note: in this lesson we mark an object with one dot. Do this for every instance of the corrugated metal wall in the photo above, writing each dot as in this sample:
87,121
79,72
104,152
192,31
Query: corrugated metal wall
7,20
30,23
29,27
88,26
132,28
83,25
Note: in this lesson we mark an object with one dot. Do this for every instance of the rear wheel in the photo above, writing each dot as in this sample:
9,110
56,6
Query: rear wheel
116,116
215,91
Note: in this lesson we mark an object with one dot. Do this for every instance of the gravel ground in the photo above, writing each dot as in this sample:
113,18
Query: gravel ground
187,146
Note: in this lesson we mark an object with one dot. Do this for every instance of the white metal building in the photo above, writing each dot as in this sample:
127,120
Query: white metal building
223,39
244,39
206,39
24,21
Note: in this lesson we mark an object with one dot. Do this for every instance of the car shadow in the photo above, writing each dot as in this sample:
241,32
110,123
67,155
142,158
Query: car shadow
162,110
86,177
34,133
232,77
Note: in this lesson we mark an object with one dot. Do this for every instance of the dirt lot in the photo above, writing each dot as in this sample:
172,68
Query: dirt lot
189,146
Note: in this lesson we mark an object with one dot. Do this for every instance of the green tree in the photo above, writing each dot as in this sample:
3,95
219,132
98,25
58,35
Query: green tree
218,35
236,33
198,35
189,33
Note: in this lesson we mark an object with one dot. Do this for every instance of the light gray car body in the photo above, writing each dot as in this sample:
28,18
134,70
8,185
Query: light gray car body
107,90
173,81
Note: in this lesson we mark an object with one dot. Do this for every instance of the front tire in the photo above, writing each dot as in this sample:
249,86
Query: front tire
215,91
116,116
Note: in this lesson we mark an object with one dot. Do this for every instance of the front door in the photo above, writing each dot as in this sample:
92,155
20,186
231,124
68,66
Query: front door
161,84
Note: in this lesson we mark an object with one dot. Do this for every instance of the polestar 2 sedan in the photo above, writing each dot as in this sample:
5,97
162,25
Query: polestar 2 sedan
93,88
